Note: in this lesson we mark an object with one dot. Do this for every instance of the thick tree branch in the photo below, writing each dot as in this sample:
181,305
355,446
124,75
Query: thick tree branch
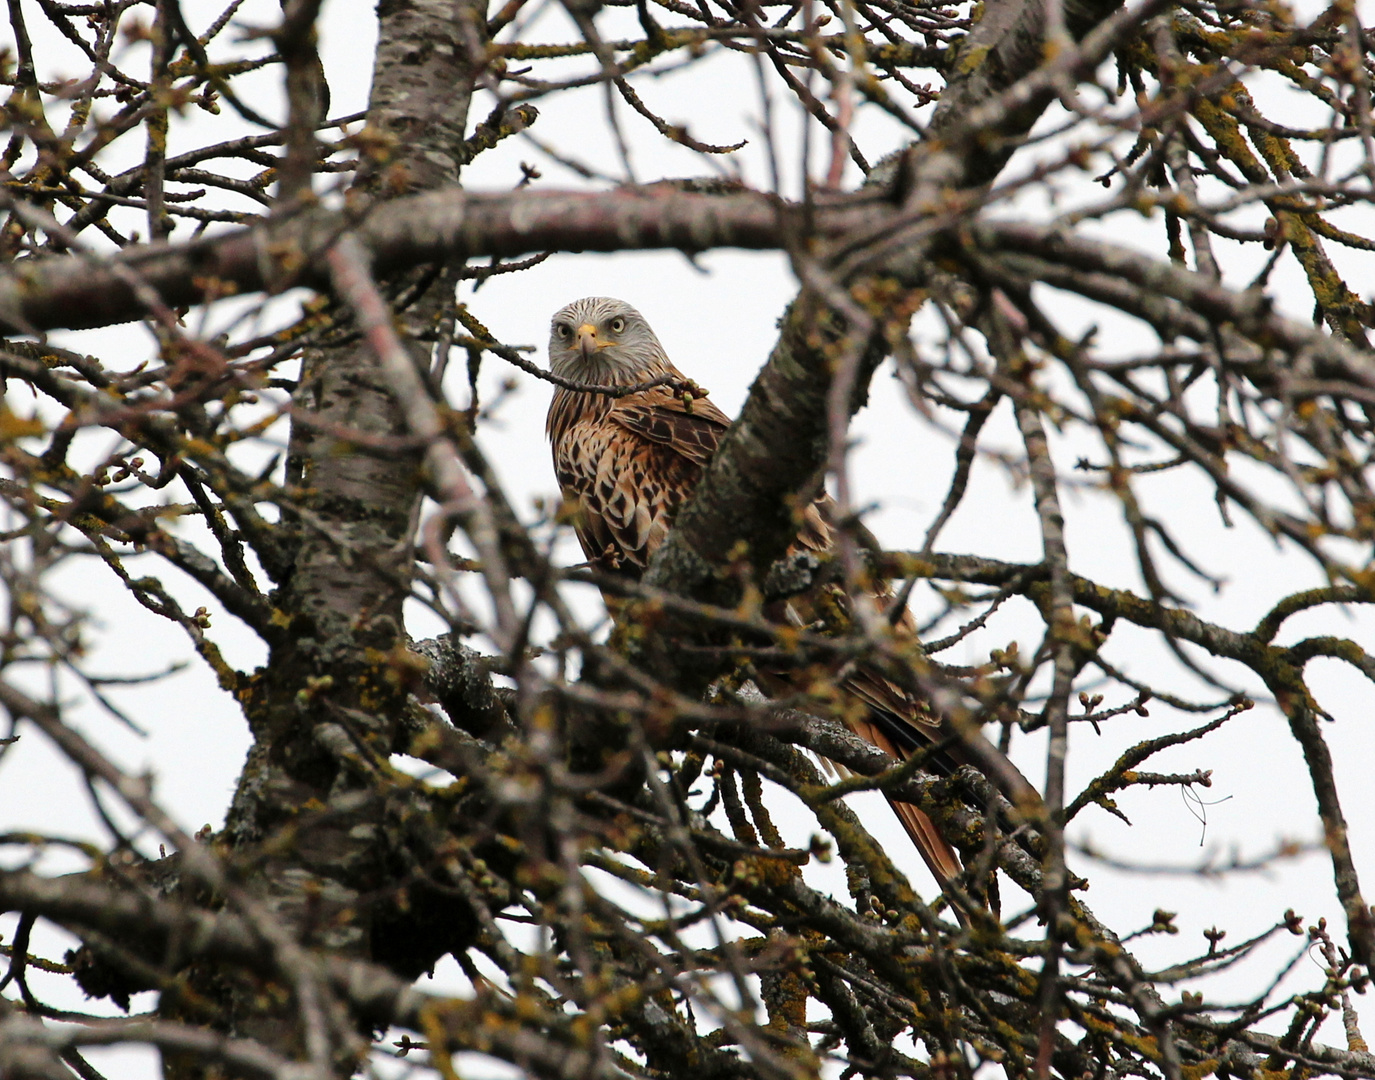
769,462
74,292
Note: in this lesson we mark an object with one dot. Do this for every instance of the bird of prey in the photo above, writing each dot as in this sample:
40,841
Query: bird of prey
626,464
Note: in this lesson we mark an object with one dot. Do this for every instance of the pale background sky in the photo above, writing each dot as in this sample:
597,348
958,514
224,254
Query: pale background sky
717,321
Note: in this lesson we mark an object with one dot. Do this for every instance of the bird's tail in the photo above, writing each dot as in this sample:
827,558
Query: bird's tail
940,857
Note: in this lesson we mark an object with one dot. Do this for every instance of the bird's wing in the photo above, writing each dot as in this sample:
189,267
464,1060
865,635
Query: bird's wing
692,430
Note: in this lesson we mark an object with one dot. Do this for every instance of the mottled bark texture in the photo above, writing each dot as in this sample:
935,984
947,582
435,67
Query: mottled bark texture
323,848
1009,42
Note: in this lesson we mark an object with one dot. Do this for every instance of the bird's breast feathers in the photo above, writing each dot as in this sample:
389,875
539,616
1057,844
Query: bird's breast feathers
629,467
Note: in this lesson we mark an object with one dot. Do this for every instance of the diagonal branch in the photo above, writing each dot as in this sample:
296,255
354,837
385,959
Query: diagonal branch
771,458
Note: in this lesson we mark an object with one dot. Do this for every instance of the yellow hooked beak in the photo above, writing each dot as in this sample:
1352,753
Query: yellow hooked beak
588,341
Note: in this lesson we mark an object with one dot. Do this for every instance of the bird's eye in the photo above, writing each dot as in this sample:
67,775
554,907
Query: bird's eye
617,325
563,330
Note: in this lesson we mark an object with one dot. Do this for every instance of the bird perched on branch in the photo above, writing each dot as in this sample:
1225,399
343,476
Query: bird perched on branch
626,464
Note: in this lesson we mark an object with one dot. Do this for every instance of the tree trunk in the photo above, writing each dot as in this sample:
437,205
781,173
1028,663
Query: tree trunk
308,831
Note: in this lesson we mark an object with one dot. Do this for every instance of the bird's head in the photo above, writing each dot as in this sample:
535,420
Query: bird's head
602,340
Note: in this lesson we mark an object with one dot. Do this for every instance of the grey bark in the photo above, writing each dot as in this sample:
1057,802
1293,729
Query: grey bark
328,697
